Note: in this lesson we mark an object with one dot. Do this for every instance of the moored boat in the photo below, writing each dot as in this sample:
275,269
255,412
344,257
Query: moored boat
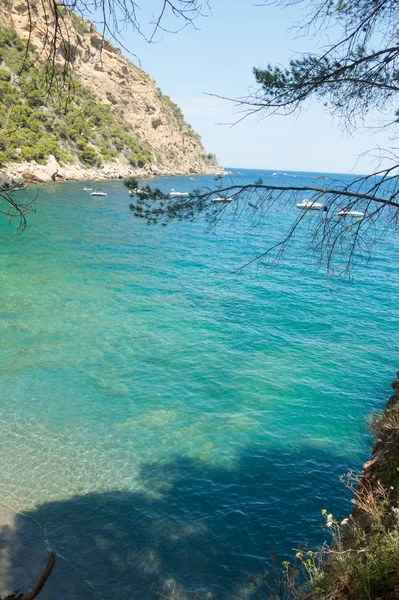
98,193
175,194
350,213
310,205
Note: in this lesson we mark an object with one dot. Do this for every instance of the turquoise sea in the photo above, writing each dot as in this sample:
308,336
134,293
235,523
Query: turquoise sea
169,424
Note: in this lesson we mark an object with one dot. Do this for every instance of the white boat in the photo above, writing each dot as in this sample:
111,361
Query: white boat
174,194
310,205
221,200
350,213
98,193
86,189
136,191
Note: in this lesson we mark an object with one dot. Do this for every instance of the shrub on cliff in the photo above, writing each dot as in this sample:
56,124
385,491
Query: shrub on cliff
5,75
89,157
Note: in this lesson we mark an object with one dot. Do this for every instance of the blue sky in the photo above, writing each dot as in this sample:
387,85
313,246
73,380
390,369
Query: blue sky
218,59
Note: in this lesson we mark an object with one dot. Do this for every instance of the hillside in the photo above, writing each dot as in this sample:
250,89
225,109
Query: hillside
108,119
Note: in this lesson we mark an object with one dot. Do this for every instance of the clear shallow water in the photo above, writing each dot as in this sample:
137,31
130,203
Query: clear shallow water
168,423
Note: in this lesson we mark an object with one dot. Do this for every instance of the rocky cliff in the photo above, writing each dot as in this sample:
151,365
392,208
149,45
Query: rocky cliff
115,122
381,472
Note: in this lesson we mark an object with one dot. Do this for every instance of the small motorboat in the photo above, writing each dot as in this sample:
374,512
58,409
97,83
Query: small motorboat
221,200
310,205
86,189
350,213
175,194
98,193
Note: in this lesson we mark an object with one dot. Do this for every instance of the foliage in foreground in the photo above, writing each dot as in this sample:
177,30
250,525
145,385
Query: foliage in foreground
354,72
41,582
362,561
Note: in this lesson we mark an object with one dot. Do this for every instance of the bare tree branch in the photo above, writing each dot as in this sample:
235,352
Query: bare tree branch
43,578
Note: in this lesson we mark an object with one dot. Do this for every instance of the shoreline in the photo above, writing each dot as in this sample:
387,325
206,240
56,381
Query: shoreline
52,171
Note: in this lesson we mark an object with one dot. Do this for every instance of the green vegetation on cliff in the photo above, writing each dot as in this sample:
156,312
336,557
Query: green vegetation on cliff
68,122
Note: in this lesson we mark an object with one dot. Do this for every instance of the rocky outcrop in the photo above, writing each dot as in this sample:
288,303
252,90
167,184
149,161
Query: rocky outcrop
32,172
386,446
379,480
12,182
130,93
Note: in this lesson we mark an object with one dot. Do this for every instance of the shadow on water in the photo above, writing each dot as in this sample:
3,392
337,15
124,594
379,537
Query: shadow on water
190,528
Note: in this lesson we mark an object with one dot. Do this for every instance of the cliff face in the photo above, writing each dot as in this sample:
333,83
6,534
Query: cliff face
154,123
382,470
